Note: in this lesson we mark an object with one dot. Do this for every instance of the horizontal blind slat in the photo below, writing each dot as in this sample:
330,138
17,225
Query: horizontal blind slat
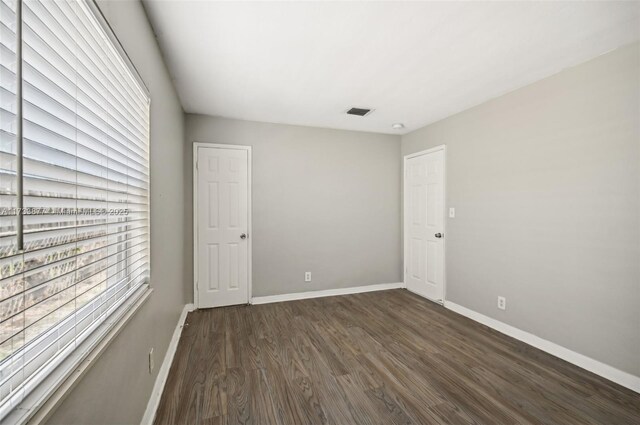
48,11
14,253
61,257
139,252
54,126
130,285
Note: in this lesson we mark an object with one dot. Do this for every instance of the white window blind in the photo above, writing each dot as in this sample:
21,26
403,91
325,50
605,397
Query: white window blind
85,187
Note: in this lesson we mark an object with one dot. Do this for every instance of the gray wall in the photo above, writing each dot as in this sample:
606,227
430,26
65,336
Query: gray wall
325,201
117,388
546,185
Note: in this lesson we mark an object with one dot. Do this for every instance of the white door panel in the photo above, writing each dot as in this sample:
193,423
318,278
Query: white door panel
222,227
424,224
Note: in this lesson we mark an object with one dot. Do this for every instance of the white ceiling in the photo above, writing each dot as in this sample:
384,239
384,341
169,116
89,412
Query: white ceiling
306,63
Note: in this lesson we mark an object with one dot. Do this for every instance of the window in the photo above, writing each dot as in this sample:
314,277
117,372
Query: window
84,191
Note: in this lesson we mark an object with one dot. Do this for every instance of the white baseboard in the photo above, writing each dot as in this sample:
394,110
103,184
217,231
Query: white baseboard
163,373
609,372
325,293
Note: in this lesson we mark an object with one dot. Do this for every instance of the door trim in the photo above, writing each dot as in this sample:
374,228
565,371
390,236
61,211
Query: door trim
405,228
196,147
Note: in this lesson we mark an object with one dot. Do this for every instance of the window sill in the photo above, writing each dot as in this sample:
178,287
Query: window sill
38,406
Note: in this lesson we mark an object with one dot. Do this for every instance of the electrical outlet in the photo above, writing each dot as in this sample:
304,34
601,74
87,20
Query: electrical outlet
502,303
452,212
152,363
307,276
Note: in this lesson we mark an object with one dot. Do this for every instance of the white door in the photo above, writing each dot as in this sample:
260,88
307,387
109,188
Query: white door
222,226
424,224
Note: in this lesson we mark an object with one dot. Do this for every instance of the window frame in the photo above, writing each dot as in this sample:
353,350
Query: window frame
38,405
69,366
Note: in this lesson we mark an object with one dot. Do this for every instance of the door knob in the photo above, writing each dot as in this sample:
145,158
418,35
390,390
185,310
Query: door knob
243,236
438,235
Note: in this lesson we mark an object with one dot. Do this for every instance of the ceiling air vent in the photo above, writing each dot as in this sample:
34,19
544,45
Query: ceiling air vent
361,112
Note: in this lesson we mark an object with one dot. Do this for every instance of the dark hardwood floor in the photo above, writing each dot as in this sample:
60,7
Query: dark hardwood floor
376,358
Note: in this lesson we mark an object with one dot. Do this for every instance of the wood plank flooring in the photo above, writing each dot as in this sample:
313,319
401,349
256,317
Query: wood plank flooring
386,357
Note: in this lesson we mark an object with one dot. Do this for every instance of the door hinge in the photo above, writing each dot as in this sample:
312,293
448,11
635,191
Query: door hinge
196,164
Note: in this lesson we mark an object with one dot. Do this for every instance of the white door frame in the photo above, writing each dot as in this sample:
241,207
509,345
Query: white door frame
405,231
196,146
